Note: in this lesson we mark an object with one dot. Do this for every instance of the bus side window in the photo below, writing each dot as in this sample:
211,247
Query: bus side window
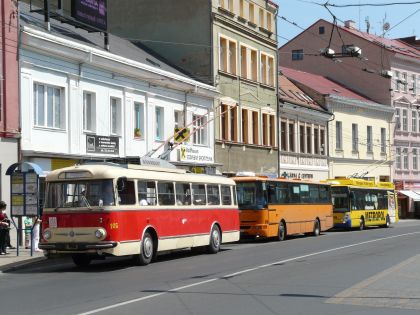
294,193
213,195
183,194
166,194
127,194
226,196
314,194
146,193
324,194
272,193
199,194
283,193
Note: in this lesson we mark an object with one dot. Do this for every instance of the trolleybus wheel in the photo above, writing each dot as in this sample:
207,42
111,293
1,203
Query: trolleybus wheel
81,260
317,228
282,231
215,239
362,224
146,251
388,222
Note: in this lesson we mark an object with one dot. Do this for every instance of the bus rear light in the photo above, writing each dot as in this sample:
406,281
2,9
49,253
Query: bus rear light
100,234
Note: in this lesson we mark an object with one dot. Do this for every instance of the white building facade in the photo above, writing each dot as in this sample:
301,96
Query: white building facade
81,103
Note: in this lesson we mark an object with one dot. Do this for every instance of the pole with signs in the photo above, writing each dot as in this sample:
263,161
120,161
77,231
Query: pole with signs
24,195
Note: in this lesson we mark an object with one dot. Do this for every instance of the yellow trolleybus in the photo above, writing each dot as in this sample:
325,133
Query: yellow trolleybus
360,203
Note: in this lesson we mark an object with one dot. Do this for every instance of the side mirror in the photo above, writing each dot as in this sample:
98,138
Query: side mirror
121,183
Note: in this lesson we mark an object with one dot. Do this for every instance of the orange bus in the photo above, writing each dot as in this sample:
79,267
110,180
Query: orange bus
275,208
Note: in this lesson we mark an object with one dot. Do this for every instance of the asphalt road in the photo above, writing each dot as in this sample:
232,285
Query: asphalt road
359,272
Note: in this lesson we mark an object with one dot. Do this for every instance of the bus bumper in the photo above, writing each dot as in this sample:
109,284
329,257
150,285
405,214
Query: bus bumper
76,247
345,225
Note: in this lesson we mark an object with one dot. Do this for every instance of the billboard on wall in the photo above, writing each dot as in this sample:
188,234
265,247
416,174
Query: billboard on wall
90,12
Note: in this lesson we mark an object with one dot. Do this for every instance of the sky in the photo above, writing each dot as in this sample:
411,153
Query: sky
304,13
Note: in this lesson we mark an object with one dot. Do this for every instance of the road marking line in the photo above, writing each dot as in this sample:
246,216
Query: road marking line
148,297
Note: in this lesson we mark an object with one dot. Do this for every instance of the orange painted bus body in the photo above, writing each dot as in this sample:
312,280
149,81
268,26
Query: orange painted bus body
298,217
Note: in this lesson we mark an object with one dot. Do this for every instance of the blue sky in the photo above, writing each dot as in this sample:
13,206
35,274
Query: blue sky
304,13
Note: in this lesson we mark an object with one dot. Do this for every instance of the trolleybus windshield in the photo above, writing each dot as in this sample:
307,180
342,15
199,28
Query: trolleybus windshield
340,199
80,194
251,195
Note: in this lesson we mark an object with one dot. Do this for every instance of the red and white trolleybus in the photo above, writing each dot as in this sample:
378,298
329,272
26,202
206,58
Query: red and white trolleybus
106,209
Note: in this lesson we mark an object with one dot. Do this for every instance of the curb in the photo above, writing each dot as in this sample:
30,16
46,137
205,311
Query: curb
17,264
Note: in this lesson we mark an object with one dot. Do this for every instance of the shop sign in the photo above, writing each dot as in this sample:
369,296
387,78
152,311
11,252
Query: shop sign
297,175
102,145
195,154
90,12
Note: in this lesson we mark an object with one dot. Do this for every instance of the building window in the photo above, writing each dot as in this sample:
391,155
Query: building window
322,138
268,129
199,130
321,30
283,135
255,128
245,126
309,139
338,135
265,131
267,70
262,21
228,123
414,121
405,158
415,160
302,138
249,63
369,139
383,140
297,54
226,4
404,120
178,120
251,12
159,123
272,128
89,112
227,55
316,141
397,80
292,136
398,119
115,116
138,120
404,83
241,9
398,159
269,18
49,110
413,88
355,137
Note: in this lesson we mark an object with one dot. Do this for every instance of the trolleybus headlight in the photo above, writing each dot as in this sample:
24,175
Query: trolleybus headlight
47,234
100,233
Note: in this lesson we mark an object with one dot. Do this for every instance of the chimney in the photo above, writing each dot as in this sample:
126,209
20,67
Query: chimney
350,24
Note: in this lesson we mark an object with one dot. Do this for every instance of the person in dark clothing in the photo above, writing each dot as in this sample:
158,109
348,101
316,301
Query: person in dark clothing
4,226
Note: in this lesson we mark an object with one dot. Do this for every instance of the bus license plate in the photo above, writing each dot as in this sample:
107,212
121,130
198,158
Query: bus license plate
52,222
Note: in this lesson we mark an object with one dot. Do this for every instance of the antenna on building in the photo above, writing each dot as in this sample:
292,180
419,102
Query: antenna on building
367,24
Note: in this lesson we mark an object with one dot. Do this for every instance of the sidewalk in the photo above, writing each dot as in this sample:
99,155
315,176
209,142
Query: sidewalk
11,260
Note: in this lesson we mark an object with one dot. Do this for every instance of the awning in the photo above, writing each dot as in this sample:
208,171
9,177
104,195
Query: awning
411,194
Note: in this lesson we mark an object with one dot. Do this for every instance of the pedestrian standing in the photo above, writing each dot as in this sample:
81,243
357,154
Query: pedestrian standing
35,235
4,225
28,227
